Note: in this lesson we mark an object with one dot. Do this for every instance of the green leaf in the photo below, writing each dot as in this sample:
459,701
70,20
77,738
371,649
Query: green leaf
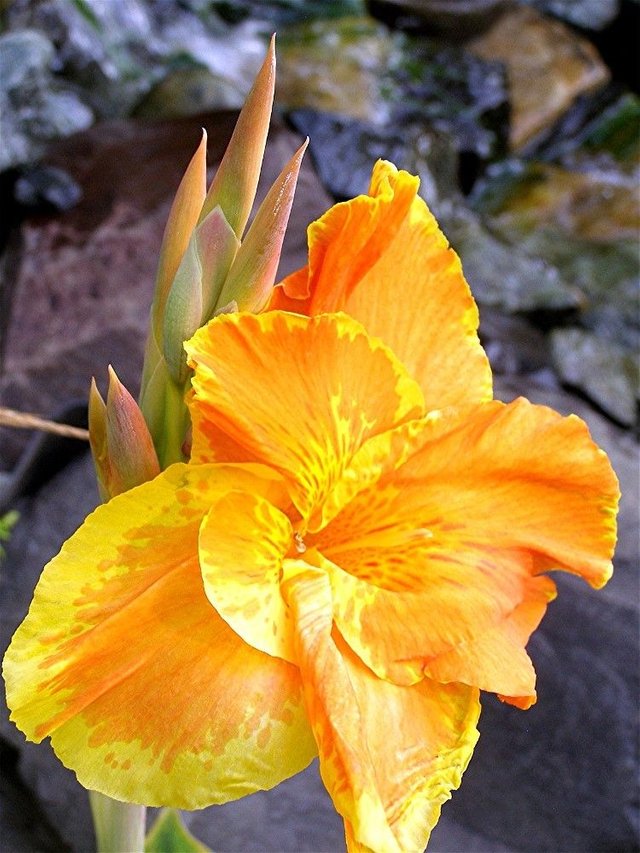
87,13
169,835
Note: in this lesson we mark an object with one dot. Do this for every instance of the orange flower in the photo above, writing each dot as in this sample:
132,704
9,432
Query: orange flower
355,549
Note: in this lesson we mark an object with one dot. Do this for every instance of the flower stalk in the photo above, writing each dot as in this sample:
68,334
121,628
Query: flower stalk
119,827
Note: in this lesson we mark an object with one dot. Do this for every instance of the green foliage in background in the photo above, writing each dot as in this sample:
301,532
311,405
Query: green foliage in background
7,522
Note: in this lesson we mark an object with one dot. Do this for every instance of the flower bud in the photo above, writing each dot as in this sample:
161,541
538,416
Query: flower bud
254,269
183,218
196,287
98,438
234,185
122,448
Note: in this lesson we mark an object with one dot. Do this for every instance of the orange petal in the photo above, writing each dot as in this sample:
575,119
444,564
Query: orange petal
398,631
145,691
389,755
383,259
350,238
313,391
518,476
496,659
431,569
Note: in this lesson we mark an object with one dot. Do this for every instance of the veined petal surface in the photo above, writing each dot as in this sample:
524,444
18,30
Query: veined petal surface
435,570
145,691
520,476
389,755
301,394
382,259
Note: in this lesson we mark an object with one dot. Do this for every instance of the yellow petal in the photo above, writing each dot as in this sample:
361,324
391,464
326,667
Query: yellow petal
389,755
383,260
145,691
244,541
312,392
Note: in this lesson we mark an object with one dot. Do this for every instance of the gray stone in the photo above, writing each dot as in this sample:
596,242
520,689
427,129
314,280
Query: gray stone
607,372
455,19
116,52
354,69
586,14
34,106
504,276
548,67
188,91
45,187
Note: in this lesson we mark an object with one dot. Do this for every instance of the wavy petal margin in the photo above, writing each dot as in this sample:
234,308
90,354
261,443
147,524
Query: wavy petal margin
383,260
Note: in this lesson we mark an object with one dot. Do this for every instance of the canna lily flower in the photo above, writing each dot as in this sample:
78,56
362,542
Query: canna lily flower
356,548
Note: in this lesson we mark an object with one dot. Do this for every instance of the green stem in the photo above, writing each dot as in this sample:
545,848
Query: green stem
119,827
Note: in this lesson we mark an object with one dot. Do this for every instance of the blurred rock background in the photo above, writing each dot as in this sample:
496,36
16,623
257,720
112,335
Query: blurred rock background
523,121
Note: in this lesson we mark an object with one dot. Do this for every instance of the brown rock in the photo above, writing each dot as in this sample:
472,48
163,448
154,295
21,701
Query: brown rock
598,206
548,66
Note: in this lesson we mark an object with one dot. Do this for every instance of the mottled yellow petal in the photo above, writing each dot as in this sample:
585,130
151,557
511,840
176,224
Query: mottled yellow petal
145,691
244,542
300,394
389,755
383,260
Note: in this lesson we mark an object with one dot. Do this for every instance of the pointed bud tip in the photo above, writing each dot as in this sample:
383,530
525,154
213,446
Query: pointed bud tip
271,53
95,396
117,392
299,154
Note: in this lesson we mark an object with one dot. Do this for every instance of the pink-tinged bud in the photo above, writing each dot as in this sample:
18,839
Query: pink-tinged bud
234,185
254,269
183,218
196,287
123,451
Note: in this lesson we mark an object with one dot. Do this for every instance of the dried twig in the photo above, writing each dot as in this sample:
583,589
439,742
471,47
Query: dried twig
21,420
